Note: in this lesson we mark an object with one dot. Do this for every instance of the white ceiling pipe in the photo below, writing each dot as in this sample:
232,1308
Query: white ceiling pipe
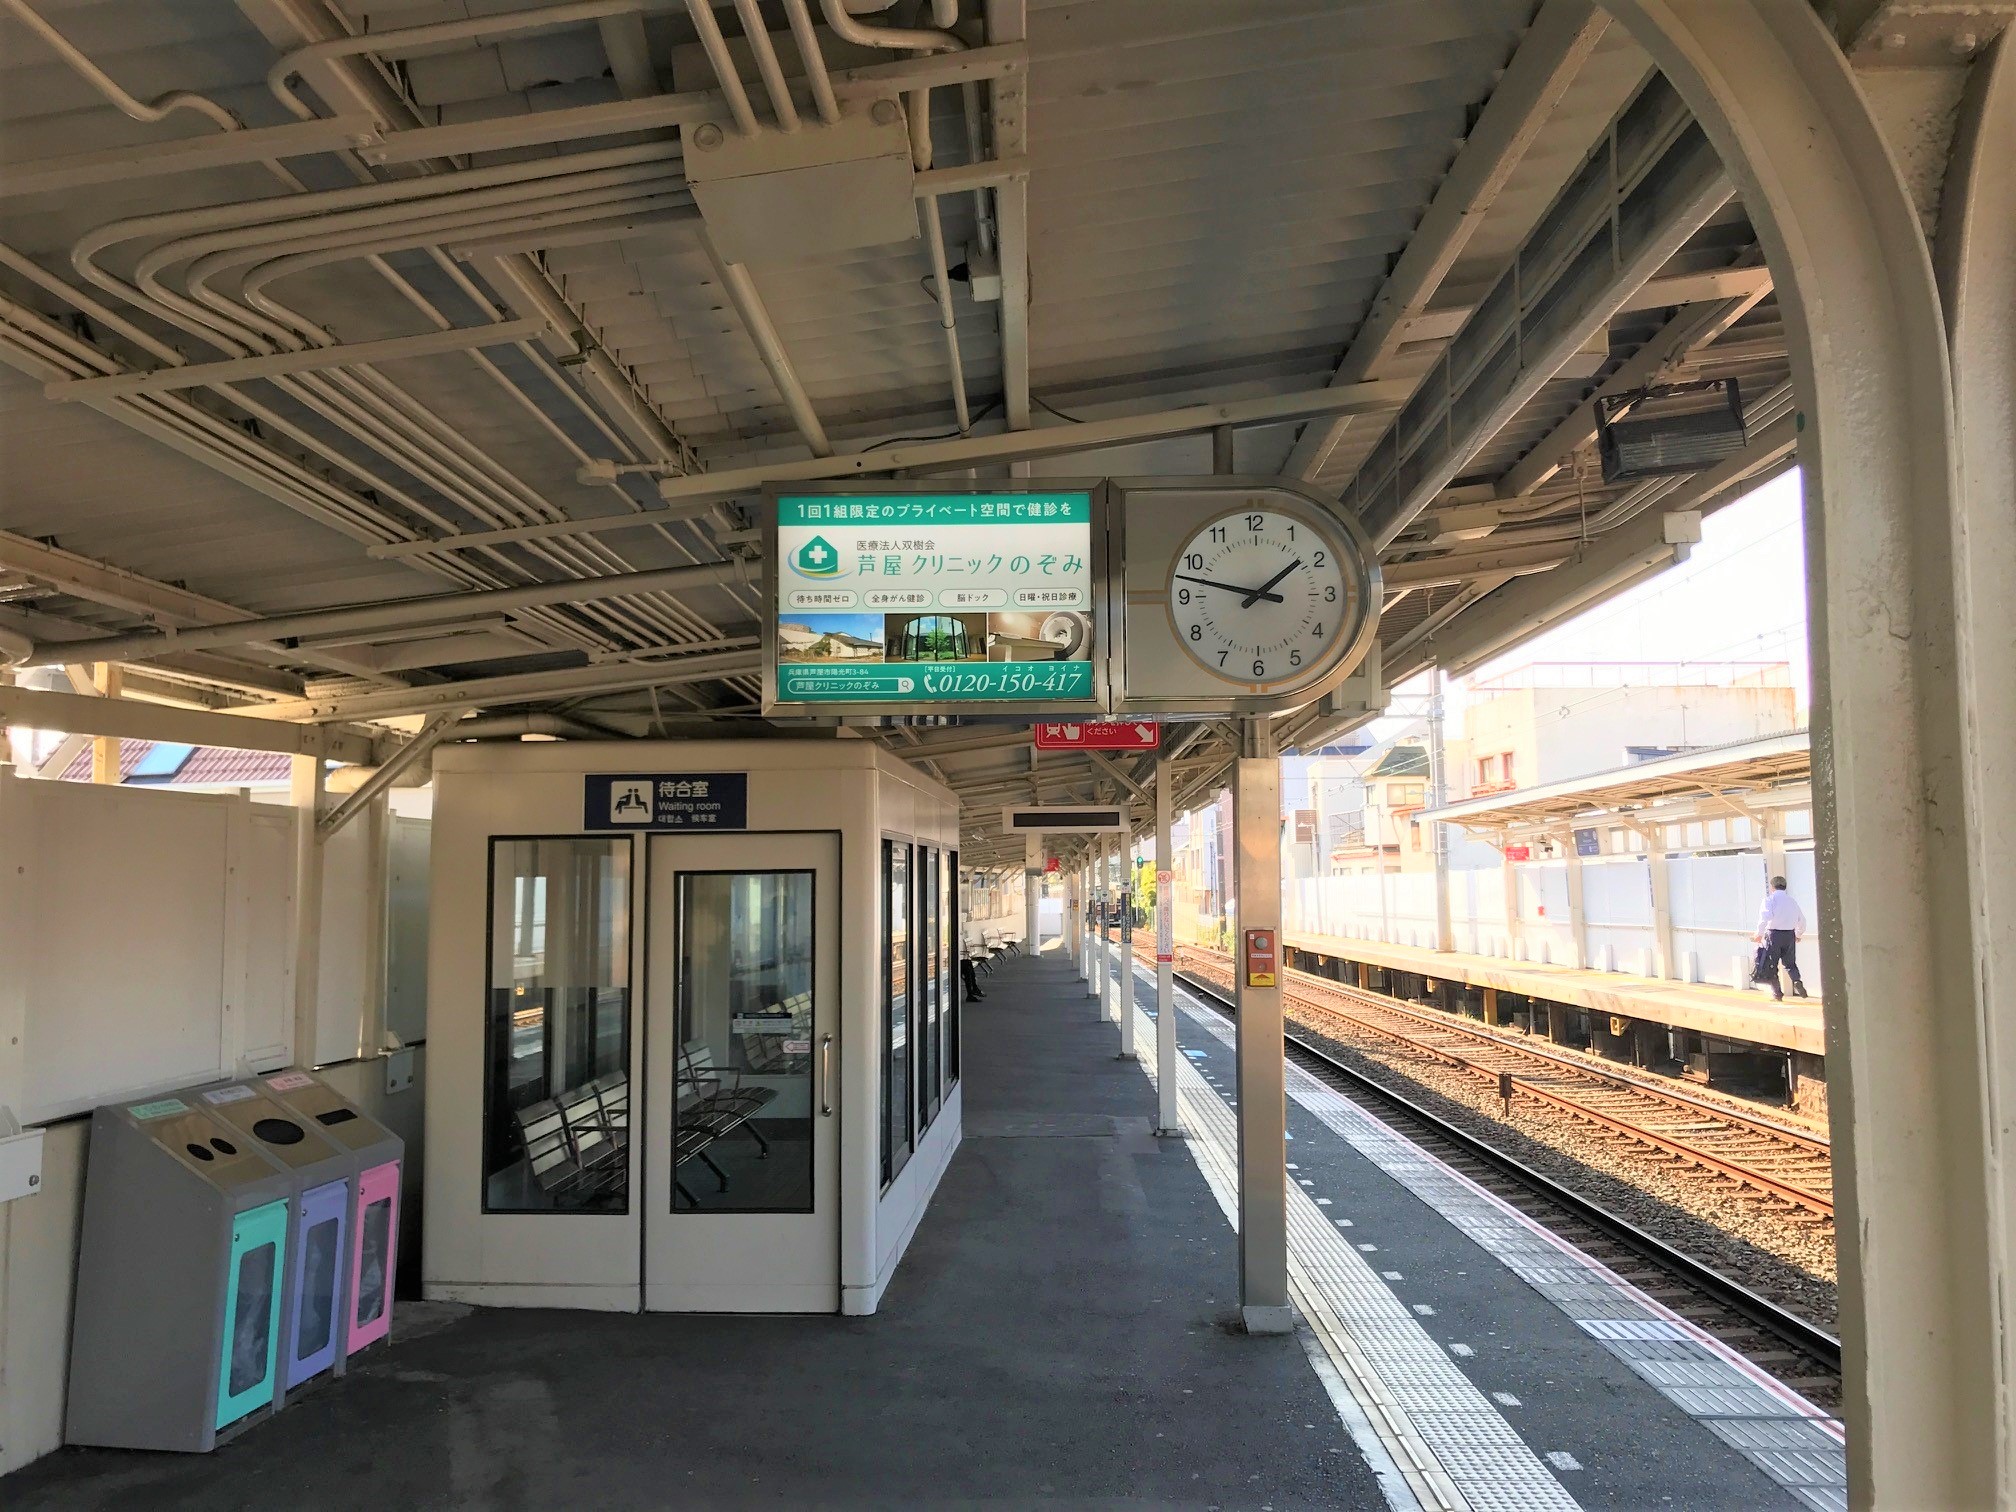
716,47
331,202
456,571
813,57
900,39
772,72
426,446
401,40
396,613
934,240
105,84
741,290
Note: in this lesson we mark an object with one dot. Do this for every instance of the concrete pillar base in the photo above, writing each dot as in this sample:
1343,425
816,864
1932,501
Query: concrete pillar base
1268,1320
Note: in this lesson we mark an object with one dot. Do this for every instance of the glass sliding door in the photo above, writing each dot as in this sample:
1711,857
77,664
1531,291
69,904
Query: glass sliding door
557,1027
948,968
742,1115
896,1003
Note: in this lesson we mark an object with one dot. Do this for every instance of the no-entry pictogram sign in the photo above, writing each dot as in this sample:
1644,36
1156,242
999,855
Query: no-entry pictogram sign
1111,735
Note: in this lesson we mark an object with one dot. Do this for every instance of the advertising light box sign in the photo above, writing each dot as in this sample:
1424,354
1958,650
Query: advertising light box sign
907,599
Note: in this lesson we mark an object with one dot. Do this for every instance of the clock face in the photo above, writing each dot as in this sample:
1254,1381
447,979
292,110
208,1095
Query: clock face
1259,597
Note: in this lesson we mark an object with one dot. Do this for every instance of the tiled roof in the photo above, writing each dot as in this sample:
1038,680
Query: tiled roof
204,765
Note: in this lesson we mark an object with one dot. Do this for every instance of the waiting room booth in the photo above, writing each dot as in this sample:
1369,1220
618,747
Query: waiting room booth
692,1026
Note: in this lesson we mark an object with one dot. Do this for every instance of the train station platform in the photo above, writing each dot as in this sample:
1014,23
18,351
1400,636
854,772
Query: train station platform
1482,1361
1060,1329
1724,1012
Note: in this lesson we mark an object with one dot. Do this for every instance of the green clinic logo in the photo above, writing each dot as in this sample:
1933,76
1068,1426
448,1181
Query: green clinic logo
817,558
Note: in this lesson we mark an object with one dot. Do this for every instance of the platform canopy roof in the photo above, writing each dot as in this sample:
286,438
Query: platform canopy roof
456,321
1741,770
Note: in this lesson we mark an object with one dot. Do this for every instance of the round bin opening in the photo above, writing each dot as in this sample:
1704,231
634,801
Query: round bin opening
278,1131
224,1147
199,1151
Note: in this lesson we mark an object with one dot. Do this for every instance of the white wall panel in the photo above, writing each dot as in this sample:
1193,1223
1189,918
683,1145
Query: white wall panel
151,939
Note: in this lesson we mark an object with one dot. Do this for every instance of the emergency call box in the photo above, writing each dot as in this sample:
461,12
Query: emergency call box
1260,969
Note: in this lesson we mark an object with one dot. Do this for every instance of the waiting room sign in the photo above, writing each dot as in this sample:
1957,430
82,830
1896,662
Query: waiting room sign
665,801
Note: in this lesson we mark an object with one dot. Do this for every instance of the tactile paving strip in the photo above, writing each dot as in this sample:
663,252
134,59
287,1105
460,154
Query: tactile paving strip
1453,1445
1728,1392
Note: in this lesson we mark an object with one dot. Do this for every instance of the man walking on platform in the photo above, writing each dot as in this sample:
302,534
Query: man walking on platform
1779,928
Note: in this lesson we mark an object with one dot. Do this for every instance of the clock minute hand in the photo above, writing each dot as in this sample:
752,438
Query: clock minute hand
1253,595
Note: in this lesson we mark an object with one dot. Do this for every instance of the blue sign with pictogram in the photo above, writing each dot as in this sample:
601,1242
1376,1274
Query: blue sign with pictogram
665,801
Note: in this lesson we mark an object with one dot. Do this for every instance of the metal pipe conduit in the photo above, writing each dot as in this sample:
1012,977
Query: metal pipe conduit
105,84
402,612
315,502
813,57
767,66
716,47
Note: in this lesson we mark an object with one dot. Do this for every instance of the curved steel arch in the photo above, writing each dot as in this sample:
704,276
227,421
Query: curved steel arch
1907,1021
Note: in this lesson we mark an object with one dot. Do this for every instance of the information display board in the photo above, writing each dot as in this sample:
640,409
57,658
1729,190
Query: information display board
903,600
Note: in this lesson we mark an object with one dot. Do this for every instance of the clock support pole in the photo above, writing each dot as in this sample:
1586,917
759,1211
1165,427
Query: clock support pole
1168,1121
1263,1101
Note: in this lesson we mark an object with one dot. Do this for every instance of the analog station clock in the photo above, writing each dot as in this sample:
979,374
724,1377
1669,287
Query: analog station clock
1262,597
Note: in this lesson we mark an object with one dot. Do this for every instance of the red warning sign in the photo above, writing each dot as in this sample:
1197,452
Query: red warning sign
1111,735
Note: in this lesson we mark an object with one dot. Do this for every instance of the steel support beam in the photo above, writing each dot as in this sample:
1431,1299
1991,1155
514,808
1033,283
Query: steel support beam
1262,1053
1044,441
518,687
1554,49
78,170
387,615
397,765
130,719
1651,183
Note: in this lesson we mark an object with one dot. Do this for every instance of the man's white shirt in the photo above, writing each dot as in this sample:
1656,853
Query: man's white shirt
1782,911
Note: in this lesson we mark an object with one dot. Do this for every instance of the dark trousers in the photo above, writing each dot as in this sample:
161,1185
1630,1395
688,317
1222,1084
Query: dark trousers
1782,946
971,978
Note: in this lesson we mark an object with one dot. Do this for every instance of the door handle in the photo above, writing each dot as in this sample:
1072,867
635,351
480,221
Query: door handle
825,1076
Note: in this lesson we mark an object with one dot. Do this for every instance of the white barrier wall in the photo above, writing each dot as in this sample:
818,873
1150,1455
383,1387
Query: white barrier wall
147,942
1714,900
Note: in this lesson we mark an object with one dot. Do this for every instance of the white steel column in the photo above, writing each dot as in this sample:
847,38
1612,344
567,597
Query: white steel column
1088,944
1032,891
1099,947
1663,964
1263,1100
1910,609
1167,1119
1438,794
310,792
1110,999
1123,1003
1578,918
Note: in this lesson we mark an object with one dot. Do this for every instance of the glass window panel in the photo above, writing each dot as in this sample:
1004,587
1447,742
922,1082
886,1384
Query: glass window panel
253,1325
926,978
742,1117
374,1242
896,905
557,1036
957,911
318,1288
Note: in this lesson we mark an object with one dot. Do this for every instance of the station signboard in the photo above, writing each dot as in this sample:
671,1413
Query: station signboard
1099,735
906,600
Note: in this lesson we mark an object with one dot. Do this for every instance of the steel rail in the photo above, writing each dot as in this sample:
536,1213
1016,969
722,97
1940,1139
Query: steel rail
1787,1191
1448,1023
1807,1337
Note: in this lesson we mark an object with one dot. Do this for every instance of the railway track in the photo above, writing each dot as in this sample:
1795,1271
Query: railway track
1790,1346
1769,1158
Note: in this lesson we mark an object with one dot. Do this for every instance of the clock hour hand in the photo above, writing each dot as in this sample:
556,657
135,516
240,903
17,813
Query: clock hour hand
1253,595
